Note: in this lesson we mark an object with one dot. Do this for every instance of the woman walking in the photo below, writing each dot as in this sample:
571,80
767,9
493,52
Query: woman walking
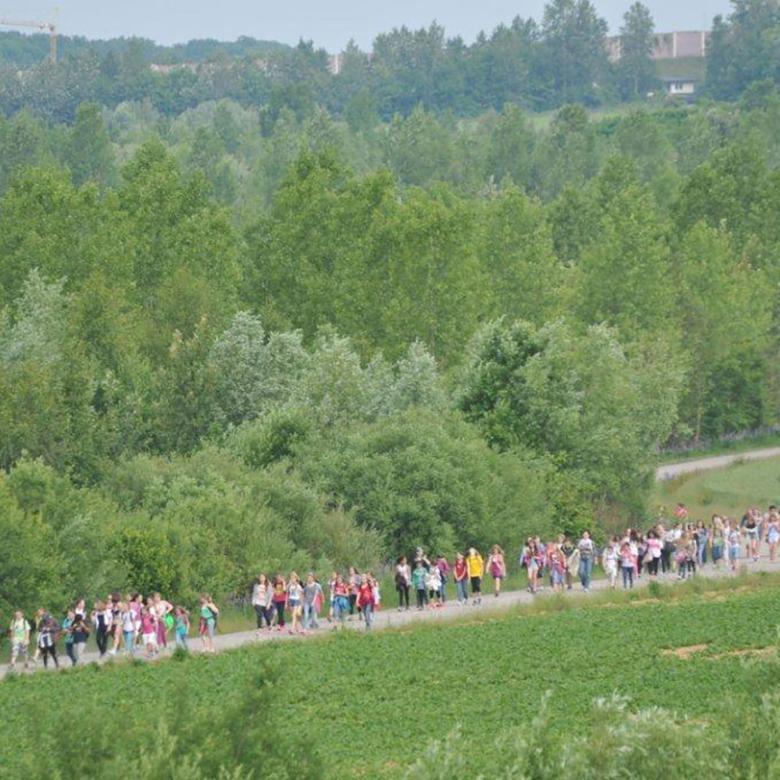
403,581
496,565
261,602
295,603
531,561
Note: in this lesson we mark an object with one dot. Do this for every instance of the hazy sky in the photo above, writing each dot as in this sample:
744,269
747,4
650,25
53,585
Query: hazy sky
329,23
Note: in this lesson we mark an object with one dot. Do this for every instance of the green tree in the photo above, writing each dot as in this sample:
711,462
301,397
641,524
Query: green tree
574,55
636,69
88,151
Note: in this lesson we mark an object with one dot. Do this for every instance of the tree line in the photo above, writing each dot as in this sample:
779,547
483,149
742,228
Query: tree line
539,65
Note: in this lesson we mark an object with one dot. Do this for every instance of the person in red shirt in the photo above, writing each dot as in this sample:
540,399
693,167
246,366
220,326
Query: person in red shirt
461,574
365,600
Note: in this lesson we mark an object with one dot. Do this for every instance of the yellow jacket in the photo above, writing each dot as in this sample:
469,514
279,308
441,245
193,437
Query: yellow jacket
476,565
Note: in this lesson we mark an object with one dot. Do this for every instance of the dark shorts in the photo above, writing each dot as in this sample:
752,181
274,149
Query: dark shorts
476,584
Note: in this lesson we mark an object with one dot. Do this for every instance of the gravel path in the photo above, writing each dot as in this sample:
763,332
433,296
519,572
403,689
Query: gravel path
672,470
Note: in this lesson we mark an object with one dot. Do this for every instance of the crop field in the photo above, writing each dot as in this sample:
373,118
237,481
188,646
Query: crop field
370,704
728,491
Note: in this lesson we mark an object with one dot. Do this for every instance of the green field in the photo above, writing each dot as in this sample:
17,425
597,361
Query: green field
369,705
728,491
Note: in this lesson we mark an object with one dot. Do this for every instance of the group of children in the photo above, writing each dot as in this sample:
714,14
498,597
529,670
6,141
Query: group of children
130,625
357,595
678,548
138,623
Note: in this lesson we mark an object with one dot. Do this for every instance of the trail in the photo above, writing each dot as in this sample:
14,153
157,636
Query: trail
672,470
388,617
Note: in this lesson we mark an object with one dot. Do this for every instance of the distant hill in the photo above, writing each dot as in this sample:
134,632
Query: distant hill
24,51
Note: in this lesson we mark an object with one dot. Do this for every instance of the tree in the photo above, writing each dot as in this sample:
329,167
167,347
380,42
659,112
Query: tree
254,372
636,69
744,48
573,60
88,151
575,397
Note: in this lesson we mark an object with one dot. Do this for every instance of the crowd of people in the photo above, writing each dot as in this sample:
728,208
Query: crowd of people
137,624
130,625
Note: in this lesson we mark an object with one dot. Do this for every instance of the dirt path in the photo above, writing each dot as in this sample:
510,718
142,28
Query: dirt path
389,617
672,470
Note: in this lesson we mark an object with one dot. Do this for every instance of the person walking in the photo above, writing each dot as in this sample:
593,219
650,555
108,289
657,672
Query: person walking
419,578
610,561
19,631
209,612
312,602
340,601
627,564
586,550
67,628
261,602
476,567
181,627
102,621
295,603
461,574
365,600
443,565
279,600
48,634
80,631
403,582
496,565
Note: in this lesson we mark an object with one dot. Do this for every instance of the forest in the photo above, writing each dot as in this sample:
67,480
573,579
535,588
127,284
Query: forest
271,331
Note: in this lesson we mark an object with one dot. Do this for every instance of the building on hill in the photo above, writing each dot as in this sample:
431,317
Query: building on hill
669,45
684,87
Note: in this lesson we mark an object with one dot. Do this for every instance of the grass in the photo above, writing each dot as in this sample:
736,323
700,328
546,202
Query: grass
727,491
370,704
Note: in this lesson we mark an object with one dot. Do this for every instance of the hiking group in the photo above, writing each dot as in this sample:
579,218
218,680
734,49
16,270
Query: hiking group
138,624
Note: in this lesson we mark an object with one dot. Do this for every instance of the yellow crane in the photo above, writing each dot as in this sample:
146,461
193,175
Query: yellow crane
51,27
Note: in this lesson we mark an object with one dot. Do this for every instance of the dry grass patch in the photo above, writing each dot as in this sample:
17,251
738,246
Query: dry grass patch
684,653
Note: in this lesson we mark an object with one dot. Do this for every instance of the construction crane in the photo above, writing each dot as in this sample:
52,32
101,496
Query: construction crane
51,27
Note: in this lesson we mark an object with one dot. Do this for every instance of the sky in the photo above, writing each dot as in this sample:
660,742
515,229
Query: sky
329,23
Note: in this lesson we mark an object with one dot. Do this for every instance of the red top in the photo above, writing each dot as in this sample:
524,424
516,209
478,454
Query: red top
365,595
341,589
460,570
